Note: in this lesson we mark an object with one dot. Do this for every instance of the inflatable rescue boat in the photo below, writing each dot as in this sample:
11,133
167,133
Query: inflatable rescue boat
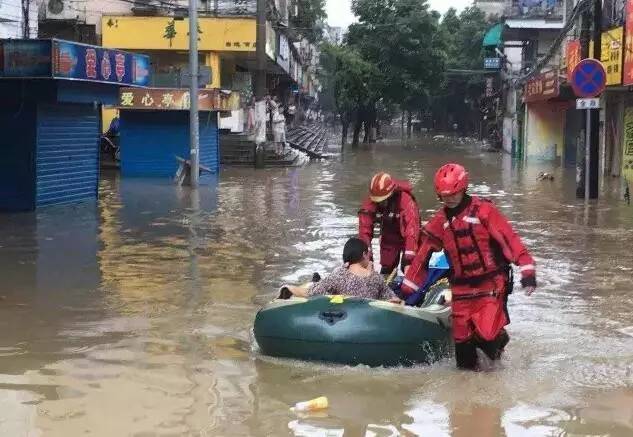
352,331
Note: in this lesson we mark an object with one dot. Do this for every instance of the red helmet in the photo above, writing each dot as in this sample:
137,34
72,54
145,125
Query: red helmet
381,188
451,179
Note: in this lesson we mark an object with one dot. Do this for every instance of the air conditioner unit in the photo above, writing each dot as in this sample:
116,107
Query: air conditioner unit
144,8
61,10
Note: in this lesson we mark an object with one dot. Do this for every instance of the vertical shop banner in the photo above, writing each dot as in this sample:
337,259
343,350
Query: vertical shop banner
627,158
573,56
628,45
611,55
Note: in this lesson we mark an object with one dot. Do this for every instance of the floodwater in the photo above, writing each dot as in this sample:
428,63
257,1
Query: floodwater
133,316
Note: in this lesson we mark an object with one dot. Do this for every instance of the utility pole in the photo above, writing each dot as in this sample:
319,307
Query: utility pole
194,125
593,164
26,19
587,157
260,86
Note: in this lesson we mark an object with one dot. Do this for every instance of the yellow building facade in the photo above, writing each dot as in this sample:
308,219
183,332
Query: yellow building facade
166,40
223,43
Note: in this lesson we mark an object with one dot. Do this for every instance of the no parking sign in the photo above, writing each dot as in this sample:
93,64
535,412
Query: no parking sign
588,78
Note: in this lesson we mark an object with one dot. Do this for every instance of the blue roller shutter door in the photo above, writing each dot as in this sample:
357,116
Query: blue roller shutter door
209,144
67,153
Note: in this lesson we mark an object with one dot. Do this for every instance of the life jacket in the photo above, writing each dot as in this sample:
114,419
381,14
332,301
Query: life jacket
473,254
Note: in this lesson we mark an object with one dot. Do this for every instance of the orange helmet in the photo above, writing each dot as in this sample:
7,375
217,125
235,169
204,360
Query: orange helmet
381,188
451,179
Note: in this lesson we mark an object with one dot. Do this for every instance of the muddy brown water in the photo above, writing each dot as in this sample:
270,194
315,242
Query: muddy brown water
133,316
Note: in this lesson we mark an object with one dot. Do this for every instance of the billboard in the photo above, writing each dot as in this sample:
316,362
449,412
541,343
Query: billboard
542,87
177,99
58,59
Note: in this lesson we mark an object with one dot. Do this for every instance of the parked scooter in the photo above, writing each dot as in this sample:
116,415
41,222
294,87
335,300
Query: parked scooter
110,146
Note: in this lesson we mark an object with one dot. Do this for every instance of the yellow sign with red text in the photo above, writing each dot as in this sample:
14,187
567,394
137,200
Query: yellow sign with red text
611,54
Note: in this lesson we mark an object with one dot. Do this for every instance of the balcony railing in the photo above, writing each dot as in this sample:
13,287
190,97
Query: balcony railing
553,10
232,7
208,7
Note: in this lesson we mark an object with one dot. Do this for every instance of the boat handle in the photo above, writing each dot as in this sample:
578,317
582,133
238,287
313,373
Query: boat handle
332,317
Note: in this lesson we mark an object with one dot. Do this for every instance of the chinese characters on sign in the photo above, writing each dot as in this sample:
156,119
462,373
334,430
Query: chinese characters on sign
627,159
628,45
57,59
591,103
79,61
492,63
541,87
573,56
168,99
611,55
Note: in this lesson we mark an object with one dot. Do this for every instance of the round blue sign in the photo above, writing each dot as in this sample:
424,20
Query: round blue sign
588,78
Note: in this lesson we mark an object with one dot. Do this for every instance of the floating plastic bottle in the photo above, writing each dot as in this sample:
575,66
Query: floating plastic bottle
312,405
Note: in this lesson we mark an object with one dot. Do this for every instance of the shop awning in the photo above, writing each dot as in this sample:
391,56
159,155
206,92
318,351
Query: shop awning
493,36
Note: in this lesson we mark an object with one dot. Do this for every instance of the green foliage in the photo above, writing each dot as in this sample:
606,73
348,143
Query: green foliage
400,37
397,54
310,18
464,34
457,97
349,81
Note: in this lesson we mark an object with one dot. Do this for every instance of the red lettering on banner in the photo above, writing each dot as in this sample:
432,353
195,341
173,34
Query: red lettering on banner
91,63
106,67
573,57
119,68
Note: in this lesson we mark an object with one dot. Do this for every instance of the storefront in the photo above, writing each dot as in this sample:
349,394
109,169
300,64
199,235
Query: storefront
49,115
155,129
545,115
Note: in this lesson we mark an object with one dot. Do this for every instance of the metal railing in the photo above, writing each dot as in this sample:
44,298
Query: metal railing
208,7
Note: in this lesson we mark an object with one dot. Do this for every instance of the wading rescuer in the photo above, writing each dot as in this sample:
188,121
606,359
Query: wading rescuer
391,204
480,245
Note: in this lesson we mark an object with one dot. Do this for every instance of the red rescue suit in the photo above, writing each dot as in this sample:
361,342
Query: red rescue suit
480,245
399,220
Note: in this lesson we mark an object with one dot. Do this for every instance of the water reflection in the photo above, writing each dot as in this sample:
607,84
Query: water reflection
140,308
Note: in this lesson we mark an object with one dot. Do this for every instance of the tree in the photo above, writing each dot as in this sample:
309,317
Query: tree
455,101
401,38
350,86
309,20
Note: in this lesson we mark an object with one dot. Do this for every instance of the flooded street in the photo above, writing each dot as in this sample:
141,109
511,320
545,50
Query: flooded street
133,316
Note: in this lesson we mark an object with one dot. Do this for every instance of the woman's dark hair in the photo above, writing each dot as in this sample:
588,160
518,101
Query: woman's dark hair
354,250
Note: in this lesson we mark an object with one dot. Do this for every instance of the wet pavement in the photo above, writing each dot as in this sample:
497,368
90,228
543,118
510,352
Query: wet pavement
133,316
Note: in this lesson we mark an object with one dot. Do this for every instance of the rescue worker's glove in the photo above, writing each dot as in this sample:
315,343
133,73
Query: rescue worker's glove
396,284
528,281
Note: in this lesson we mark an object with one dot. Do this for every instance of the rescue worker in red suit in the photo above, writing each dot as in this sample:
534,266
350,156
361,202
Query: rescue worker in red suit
480,245
391,204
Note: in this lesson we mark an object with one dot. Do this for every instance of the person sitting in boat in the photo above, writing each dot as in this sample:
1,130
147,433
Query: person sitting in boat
355,278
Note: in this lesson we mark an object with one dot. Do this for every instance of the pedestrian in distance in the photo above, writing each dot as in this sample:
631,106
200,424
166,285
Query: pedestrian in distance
279,129
392,206
480,245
